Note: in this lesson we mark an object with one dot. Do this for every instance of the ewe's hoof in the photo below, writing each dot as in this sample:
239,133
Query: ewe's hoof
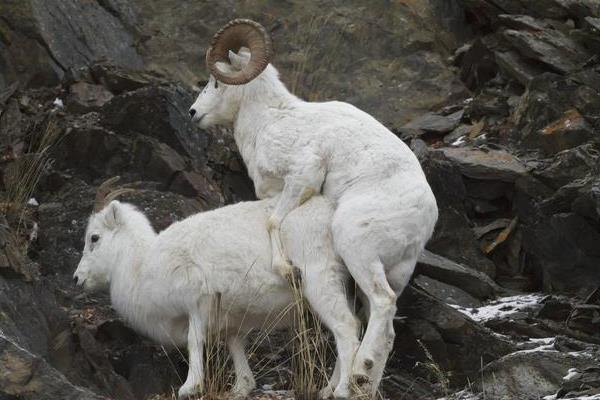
326,393
187,391
342,392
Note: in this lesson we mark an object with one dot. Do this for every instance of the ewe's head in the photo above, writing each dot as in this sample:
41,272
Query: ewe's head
104,239
237,59
100,251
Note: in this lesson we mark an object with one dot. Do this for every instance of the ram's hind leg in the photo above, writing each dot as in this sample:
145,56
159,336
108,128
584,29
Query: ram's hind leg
378,339
326,293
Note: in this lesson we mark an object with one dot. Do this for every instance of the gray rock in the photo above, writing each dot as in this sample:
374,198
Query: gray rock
556,112
566,247
84,97
433,123
512,65
453,237
63,35
522,22
27,376
447,293
486,165
530,373
569,165
475,283
552,48
454,342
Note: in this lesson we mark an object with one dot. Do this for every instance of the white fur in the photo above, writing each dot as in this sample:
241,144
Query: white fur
167,286
385,210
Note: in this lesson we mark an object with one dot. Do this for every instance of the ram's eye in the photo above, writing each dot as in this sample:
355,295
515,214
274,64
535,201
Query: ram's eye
95,238
216,83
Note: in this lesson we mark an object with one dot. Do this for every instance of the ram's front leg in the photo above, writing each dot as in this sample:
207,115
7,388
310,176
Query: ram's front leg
194,384
289,199
297,189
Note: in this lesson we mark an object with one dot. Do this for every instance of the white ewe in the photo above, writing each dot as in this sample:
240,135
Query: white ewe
385,210
166,285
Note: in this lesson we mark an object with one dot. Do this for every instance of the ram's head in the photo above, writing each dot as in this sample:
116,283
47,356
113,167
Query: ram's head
239,52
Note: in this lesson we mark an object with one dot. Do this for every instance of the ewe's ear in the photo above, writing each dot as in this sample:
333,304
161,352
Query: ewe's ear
239,60
113,218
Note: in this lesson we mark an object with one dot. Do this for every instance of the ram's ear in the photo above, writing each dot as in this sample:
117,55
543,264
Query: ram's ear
113,217
240,59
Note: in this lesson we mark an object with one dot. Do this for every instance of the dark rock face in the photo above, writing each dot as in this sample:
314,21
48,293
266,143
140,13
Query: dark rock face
454,341
61,36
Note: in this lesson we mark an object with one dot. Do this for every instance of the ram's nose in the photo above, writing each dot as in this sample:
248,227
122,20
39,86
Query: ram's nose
192,112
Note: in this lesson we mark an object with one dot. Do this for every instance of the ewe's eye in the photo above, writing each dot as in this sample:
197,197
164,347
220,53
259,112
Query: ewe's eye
95,238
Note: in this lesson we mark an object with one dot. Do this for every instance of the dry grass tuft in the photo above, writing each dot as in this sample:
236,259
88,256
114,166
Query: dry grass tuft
22,175
440,376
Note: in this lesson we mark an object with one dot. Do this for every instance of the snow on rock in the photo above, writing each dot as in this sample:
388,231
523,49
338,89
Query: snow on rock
503,307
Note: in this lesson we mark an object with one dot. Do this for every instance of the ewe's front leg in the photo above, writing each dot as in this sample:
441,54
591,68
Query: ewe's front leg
244,380
194,384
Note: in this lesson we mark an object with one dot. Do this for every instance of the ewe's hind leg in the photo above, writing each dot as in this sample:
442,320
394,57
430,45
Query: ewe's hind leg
244,379
327,391
194,384
325,291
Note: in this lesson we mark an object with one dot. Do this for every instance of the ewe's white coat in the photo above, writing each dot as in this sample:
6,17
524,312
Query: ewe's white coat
166,285
385,210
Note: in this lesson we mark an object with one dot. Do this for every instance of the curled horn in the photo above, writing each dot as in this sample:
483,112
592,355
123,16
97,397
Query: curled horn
105,193
234,35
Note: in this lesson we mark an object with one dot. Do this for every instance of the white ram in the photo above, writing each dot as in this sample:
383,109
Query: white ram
385,210
165,286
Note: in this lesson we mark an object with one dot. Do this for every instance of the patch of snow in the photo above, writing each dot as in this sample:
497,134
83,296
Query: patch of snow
33,235
58,103
571,374
543,340
502,307
532,342
33,202
543,348
458,141
585,397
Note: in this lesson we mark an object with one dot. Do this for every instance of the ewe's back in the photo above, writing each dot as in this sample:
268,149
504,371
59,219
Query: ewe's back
216,250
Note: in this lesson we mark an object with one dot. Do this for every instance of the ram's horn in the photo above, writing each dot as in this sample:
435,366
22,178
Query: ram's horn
105,193
234,35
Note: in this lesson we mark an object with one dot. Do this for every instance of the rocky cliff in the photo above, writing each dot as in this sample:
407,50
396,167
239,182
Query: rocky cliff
500,100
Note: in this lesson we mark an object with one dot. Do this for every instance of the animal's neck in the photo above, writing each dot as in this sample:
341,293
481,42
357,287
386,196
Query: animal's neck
126,290
257,104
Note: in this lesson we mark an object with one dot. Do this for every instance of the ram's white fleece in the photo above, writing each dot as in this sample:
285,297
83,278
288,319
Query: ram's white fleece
385,210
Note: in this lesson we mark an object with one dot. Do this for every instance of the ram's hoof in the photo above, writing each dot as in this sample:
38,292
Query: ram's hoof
361,386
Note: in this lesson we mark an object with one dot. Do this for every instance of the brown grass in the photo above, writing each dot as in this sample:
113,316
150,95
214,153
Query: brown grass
23,174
